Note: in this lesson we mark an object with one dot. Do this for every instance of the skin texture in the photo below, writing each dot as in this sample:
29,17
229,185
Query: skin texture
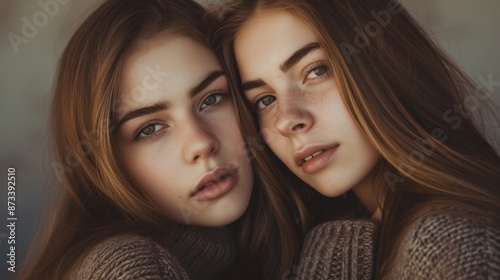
301,108
169,151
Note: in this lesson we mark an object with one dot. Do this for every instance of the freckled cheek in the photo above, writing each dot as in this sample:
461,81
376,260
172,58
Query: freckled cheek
327,95
330,104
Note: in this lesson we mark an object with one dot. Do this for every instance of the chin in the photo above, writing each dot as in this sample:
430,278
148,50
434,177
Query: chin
217,220
331,190
221,215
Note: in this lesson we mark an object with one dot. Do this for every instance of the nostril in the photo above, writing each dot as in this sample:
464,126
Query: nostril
298,126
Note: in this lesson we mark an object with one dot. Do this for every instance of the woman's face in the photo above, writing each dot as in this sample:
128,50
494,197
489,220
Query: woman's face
177,133
303,119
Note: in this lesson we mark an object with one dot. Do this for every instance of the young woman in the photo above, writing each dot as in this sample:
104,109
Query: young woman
353,96
145,139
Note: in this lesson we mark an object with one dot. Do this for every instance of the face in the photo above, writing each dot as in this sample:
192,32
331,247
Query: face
303,119
177,133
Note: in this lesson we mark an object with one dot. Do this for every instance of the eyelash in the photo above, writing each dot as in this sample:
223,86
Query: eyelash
223,96
137,135
256,102
315,67
310,70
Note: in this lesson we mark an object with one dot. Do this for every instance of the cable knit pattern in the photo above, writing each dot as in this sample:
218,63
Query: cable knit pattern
339,250
447,247
195,254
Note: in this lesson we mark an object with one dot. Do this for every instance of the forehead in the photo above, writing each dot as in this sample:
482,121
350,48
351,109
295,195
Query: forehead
272,36
164,65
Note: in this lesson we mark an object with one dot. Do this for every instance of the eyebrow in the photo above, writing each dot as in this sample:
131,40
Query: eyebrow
144,111
298,55
212,76
160,106
246,86
289,63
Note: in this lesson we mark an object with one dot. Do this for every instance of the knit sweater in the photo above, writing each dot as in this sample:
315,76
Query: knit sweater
186,253
435,247
448,247
338,250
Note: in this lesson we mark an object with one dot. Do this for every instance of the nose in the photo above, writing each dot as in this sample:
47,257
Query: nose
293,118
198,142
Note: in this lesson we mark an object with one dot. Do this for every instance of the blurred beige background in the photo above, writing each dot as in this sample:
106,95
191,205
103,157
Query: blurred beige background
467,30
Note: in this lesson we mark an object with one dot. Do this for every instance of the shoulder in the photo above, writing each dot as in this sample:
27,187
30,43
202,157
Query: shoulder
128,256
342,249
446,246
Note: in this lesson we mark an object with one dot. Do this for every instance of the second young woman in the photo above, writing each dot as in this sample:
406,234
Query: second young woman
353,96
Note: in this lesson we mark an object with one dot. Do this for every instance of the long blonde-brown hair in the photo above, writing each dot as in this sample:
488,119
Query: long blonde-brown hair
97,198
416,107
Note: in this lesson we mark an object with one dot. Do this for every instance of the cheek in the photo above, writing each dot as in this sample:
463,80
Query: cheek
226,128
129,159
164,186
267,127
144,174
267,131
276,142
148,165
368,149
330,99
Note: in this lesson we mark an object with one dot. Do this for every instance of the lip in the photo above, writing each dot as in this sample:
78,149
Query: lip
317,162
216,189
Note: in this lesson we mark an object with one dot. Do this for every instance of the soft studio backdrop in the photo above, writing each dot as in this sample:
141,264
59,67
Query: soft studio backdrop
33,34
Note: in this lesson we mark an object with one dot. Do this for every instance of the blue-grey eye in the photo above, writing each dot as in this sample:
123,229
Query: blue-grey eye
150,130
212,100
265,101
317,72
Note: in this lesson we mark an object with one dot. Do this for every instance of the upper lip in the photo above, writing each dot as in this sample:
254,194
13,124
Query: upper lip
309,150
226,170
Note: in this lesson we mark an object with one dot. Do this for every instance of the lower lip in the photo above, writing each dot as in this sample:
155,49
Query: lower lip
216,190
319,162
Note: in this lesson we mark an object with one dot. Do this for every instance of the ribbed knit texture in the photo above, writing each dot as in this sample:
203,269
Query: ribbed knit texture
339,250
448,247
435,247
195,254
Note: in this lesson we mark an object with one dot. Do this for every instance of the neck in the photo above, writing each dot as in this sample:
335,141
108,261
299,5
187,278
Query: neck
364,191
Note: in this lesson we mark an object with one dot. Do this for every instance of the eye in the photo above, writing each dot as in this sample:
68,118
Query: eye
213,99
147,131
265,101
317,71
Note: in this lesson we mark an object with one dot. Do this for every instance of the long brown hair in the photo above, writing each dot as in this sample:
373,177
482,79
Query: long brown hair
284,207
97,198
416,107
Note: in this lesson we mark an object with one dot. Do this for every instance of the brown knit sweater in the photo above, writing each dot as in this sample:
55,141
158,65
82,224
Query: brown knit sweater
338,250
446,247
435,247
187,253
